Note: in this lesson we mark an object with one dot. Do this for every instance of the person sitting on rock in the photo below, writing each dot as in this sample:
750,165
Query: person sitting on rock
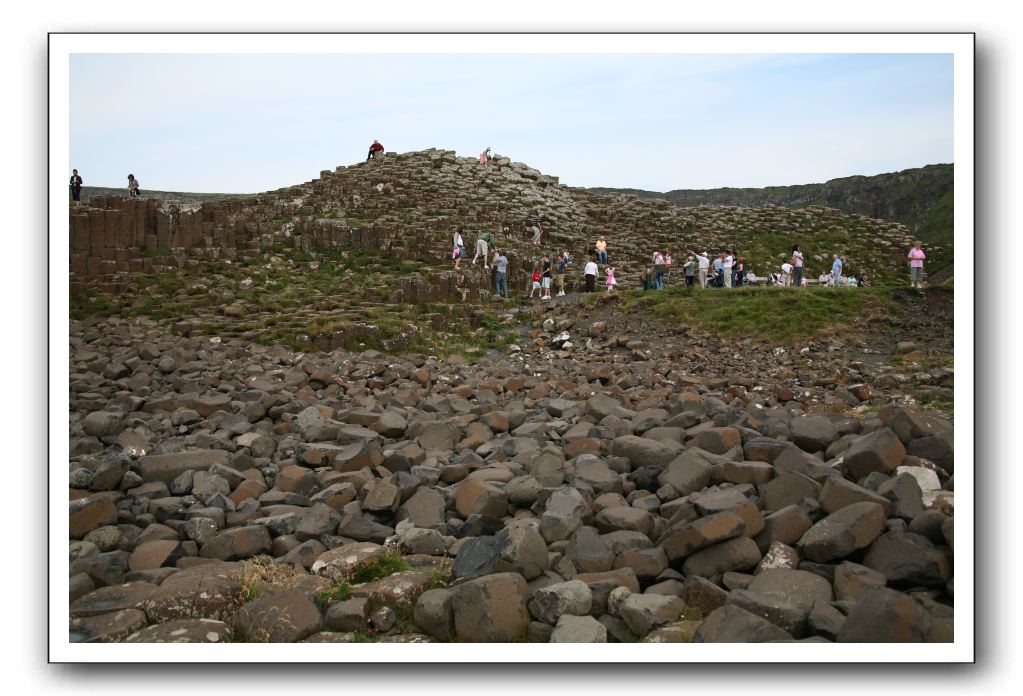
133,186
601,248
374,149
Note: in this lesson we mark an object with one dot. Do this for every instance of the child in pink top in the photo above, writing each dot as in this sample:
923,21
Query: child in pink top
916,258
611,282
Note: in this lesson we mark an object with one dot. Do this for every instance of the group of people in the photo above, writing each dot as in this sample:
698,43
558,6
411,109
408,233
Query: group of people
75,186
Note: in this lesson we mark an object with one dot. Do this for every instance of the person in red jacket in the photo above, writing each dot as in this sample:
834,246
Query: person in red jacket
374,149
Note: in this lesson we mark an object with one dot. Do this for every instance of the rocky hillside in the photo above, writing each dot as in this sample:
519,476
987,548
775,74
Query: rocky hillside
921,199
91,192
360,257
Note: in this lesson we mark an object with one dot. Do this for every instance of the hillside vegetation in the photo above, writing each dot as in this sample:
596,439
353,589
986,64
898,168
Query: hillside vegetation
921,199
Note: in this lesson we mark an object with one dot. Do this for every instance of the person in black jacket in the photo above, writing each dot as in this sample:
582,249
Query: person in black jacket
76,185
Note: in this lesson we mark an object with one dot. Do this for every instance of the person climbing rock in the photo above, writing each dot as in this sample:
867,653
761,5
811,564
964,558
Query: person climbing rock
76,185
374,149
535,223
133,186
483,244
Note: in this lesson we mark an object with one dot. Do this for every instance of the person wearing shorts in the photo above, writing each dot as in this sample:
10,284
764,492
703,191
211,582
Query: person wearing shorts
546,278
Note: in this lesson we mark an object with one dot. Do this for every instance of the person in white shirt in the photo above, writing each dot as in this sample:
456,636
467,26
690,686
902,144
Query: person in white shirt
786,271
726,268
751,277
823,279
591,274
702,266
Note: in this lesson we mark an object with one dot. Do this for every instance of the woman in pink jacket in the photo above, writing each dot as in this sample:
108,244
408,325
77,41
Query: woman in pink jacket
916,258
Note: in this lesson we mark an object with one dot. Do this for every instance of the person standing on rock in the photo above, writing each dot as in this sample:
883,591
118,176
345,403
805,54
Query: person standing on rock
689,269
459,250
76,185
374,149
611,282
500,273
916,258
590,273
546,277
563,261
484,157
786,274
702,265
797,265
836,271
133,186
719,263
601,249
535,280
483,245
658,270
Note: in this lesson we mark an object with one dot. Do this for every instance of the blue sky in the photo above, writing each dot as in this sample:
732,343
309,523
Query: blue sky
240,123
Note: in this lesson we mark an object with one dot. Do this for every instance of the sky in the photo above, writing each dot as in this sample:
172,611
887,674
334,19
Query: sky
246,123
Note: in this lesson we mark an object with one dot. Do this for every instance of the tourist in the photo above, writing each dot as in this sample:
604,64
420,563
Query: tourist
667,268
76,185
751,277
611,282
824,279
703,263
658,270
536,280
719,263
500,273
786,274
590,272
601,249
836,271
797,265
459,250
483,245
546,277
916,258
690,270
374,149
738,272
133,186
563,261
535,224
726,266
484,157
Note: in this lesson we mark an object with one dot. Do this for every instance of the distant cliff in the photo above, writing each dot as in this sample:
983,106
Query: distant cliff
920,199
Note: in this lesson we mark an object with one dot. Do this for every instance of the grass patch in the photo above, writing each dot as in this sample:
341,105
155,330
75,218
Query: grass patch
338,592
378,568
261,575
779,315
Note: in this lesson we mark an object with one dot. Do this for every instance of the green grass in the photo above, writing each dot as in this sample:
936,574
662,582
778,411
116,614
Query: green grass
338,592
379,568
776,314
